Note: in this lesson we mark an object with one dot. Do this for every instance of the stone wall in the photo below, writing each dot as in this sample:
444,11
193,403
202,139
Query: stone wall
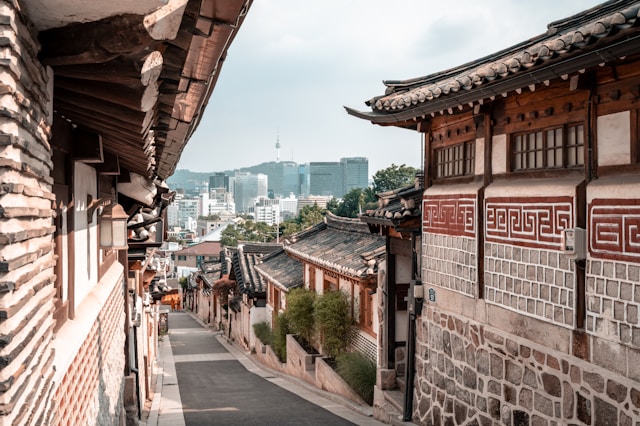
540,283
453,262
27,257
469,373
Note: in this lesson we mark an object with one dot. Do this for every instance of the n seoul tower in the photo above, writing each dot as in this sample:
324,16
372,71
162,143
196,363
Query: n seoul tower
278,146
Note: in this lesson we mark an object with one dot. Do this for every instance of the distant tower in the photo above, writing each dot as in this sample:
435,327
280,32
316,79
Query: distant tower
278,146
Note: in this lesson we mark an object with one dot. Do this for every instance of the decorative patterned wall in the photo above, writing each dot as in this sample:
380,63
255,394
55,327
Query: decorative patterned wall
450,215
614,229
528,221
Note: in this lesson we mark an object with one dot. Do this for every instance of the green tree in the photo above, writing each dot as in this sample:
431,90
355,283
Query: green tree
246,231
353,202
393,177
300,312
332,314
308,217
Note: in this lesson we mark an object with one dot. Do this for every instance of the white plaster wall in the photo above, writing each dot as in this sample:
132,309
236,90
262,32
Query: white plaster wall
499,152
85,234
534,188
256,315
479,160
614,136
403,269
623,187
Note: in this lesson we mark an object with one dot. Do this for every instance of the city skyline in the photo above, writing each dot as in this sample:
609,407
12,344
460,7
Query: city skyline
287,77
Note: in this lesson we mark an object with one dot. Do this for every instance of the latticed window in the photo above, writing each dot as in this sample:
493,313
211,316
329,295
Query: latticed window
454,161
557,148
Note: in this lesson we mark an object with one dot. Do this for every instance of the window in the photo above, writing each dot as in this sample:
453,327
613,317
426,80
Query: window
180,257
557,148
366,308
454,161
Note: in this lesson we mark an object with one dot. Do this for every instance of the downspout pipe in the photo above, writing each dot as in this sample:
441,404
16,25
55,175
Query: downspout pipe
415,307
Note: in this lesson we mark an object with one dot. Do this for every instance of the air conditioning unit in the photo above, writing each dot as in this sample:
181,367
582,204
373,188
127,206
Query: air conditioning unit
574,243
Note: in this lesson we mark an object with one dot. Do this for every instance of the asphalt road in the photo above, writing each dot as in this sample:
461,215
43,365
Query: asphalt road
217,390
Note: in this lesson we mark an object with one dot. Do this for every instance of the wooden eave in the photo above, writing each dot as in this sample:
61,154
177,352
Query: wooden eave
144,96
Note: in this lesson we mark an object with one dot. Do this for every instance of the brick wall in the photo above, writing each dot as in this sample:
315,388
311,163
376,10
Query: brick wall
452,262
26,227
91,389
538,282
470,373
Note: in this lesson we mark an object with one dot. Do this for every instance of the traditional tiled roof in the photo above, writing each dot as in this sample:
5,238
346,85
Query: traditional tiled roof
210,272
281,269
397,206
245,258
208,248
595,36
341,244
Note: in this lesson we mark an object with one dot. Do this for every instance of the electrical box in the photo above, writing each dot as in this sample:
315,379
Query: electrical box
574,244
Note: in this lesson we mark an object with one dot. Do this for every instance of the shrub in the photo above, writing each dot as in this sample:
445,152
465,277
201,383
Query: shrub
333,317
280,331
263,332
300,313
359,372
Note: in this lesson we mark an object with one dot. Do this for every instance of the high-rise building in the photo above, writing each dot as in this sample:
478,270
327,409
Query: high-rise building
248,188
355,172
326,179
219,180
337,178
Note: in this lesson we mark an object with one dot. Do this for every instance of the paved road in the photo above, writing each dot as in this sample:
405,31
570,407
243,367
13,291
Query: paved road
216,389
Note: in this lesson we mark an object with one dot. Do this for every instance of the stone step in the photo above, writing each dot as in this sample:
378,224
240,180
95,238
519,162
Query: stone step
395,398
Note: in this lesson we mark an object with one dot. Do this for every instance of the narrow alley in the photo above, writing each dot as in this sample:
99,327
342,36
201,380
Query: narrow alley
202,380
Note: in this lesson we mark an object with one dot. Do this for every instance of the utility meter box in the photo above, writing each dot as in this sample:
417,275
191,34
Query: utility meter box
574,244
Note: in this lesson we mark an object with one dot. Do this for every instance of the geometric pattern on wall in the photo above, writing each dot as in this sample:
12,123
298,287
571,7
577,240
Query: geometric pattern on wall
450,215
614,229
528,221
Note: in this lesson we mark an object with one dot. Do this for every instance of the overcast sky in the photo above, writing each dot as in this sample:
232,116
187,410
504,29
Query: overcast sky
294,65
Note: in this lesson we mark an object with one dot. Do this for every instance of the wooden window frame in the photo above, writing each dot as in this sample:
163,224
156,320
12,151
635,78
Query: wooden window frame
366,309
544,148
460,157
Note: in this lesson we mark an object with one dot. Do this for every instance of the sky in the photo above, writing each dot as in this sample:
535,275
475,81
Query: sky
294,65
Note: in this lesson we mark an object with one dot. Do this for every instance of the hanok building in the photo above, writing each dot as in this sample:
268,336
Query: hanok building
250,301
398,218
530,248
282,273
98,102
341,254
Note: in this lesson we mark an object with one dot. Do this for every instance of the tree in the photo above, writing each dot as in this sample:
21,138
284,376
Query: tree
300,312
246,231
393,177
308,217
332,312
353,202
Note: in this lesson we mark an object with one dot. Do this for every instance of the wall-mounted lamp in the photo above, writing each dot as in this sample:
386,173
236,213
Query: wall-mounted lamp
113,227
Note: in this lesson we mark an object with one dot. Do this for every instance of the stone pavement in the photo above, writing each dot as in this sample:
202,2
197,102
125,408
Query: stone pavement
221,391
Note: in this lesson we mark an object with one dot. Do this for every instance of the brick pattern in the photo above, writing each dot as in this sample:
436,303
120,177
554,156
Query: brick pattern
534,282
613,301
450,262
468,373
26,228
92,388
